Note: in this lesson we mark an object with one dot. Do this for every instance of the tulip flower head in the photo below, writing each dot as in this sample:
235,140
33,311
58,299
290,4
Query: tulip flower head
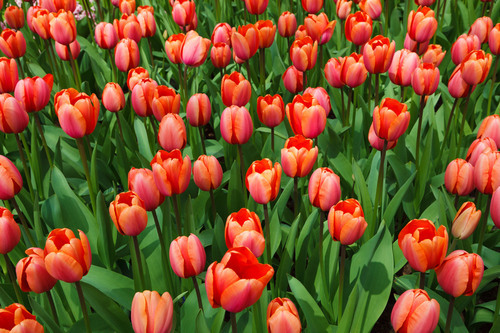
343,8
32,274
128,26
306,116
11,181
481,28
303,53
34,93
321,96
263,180
312,6
9,231
324,188
319,27
245,41
243,229
113,98
152,312
460,273
298,156
183,12
220,55
147,21
490,128
462,46
434,55
293,80
16,319
142,97
459,177
14,16
127,55
198,110
377,54
128,213
194,49
466,220
358,28
64,54
494,39
141,182
475,67
12,43
62,27
187,256
282,316
422,24
135,75
165,101
235,90
346,221
478,147
267,32
270,110
425,79
40,22
494,207
236,125
172,133
222,34
173,47
415,311
402,66
171,172
457,86
8,75
372,7
256,7
105,35
487,172
207,173
390,119
287,24
379,143
13,116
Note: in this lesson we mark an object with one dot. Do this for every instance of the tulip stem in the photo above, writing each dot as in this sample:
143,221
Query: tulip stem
160,234
20,67
153,123
181,84
453,244
52,306
137,251
42,136
198,295
185,84
422,281
493,79
202,139
73,68
497,306
447,131
262,61
83,157
272,139
25,165
12,276
450,314
267,225
296,196
84,307
421,115
349,101
380,185
442,12
247,65
177,214
341,280
342,115
234,327
377,79
462,126
403,90
483,227
214,212
118,122
151,56
23,221
113,66
242,167
386,7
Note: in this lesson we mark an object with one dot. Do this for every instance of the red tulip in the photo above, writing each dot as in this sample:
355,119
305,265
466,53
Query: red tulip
172,132
16,319
142,97
198,110
298,156
105,35
402,67
293,80
14,16
222,34
462,46
141,181
415,311
490,128
171,172
377,54
481,28
434,55
465,221
421,24
377,142
312,6
358,28
390,119
11,181
183,12
494,39
303,53
487,172
457,86
126,55
13,116
460,273
494,210
64,54
306,116
235,90
459,177
319,28
267,31
324,188
207,173
236,125
9,231
194,49
245,41
173,47
40,23
165,101
346,221
128,27
113,98
147,21
126,6
77,112
128,214
479,146
343,8
321,96
372,7
55,5
135,75
187,256
34,93
8,75
270,110
349,71
243,229
475,67
152,312
263,180
282,316
32,274
287,24
256,7
412,45
12,43
425,79
62,27
220,55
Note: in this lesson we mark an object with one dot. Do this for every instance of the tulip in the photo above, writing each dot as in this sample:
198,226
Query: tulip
487,172
421,24
128,26
126,55
67,258
324,188
377,54
343,8
207,173
346,221
481,28
459,177
425,79
187,256
34,93
298,156
372,7
353,71
333,70
457,86
287,24
402,66
222,34
235,90
8,75
270,110
29,16
390,119
256,7
479,146
263,180
147,21
32,274
194,49
245,41
413,46
63,53
358,28
16,319
475,67
128,214
237,282
267,31
312,6
172,132
141,182
282,316
55,5
462,46
198,110
415,311
236,125
494,39
135,75
293,80
152,312
142,97
460,273
173,47
377,142
171,172
12,43
424,2
434,55
466,220
105,35
9,231
77,112
494,210
13,116
113,98
423,246
220,55
165,101
11,181
306,116
243,229
126,6
319,28
490,128
303,53
62,27
40,23
14,16
192,25
183,12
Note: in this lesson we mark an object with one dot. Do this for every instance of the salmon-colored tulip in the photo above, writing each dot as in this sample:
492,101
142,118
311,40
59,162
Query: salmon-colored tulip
346,221
390,119
55,5
171,172
377,54
172,132
16,319
494,210
372,7
198,110
423,245
293,80
64,54
487,172
173,47
475,67
263,180
165,101
14,16
32,274
298,156
105,35
270,110
222,34
267,32
142,97
422,24
481,28
10,234
34,93
303,53
127,55
465,221
235,89
343,8
183,12
29,16
245,41
412,45
312,6
207,173
152,313
187,256
306,116
237,282
13,116
62,27
321,96
287,24
77,112
220,55
301,32
194,49
146,19
236,125
113,98
490,128
352,71
319,27
40,23
128,213
457,86
462,46
141,181
243,229
425,79
8,75
459,177
377,142
333,70
402,66
415,311
128,27
135,75
479,146
67,258
494,39
126,6
282,316
324,188
434,55
358,28
460,273
11,181
12,43
256,7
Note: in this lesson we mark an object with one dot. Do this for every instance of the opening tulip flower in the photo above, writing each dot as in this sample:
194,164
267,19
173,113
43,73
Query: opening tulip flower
282,316
11,181
12,43
128,214
346,221
303,53
422,24
465,221
459,177
306,116
243,229
141,181
298,156
8,75
245,41
171,172
235,90
187,256
151,312
390,119
358,28
16,318
415,311
263,180
194,49
324,188
32,274
207,173
9,231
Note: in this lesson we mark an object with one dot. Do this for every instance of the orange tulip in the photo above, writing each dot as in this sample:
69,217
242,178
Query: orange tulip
128,27
11,181
64,54
237,282
421,24
324,188
312,6
14,16
372,7
319,28
267,31
235,90
377,142
127,55
270,110
77,112
62,27
282,316
303,53
113,98
415,311
32,274
128,214
220,55
263,180
187,256
12,43
349,71
490,128
412,45
457,86
475,67
183,12
173,47
198,110
343,8
423,246
40,23
9,231
481,28
222,34
243,229
293,80
165,101
462,46
390,119
459,177
402,67
487,172
425,79
298,156
172,132
141,181
494,210
460,273
34,93
358,28
126,6
67,258
306,116
321,96
152,312
466,220
55,5
236,125
147,21
171,172
346,221
13,116
142,97
494,39
377,54
207,173
16,319
287,24
245,41
135,75
194,49
479,146
105,35
8,75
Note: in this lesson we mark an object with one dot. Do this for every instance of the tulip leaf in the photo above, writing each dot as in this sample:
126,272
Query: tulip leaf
399,258
236,190
105,243
42,314
301,254
395,203
100,69
287,255
348,315
201,324
364,197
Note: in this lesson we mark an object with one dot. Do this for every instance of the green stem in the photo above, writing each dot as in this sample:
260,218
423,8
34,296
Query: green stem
342,114
422,280
83,157
12,276
403,91
83,306
493,80
118,122
267,226
177,214
23,221
25,165
163,248
450,314
380,185
483,227
421,115
295,196
272,139
377,79
497,306
249,78
453,244
73,68
202,139
52,306
341,280
447,131
462,126
214,212
262,61
386,7
242,167
42,136
348,114
198,295
137,251
234,327
151,57
113,66
20,67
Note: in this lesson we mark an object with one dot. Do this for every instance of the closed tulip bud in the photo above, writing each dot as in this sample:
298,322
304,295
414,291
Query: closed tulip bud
312,6
475,67
346,221
321,96
267,31
9,231
147,21
222,34
306,116
353,72
62,27
490,128
324,188
16,319
128,214
479,146
13,116
462,46
298,156
287,24
263,180
466,220
481,28
235,90
236,125
293,80
301,32
372,7
126,6
152,312
194,49
32,274
319,28
457,86
422,24
377,142
412,45
459,177
270,110
358,28
141,182
11,181
282,316
77,112
67,258
12,43
105,35
377,54
183,12
494,39
237,282
165,101
487,172
198,110
415,311
29,16
128,26
8,75
220,55
34,93
172,132
494,210
434,55
425,79
303,53
343,8
187,256
14,16
171,172
207,173
40,23
256,7
243,229
55,5
113,98
127,55
423,245
402,66
390,119
333,70
142,97
64,54
245,41
135,75
173,47
460,273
